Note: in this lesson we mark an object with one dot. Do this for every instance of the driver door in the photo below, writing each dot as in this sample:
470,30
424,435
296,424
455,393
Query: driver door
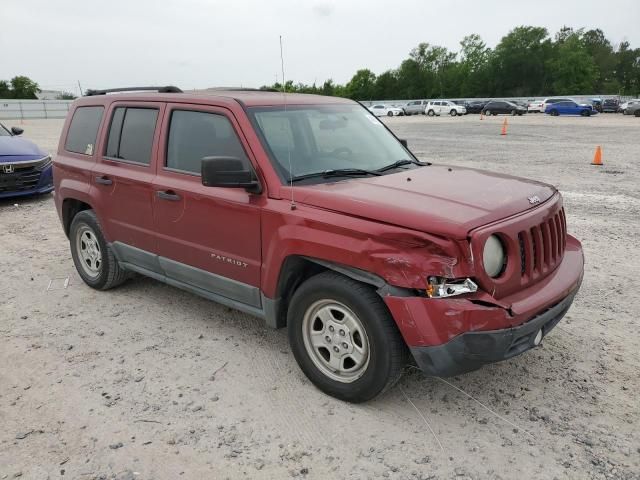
208,237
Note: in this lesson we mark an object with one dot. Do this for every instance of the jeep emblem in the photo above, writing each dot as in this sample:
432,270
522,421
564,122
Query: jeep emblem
533,200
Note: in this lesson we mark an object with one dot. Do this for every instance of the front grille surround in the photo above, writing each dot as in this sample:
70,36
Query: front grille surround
534,241
26,175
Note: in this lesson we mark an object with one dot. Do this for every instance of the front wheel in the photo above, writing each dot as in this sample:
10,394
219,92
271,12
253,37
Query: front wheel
514,113
453,113
344,338
554,113
94,260
389,114
431,113
487,112
637,113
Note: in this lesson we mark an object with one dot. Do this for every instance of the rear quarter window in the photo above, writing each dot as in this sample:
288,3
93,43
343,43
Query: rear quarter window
83,130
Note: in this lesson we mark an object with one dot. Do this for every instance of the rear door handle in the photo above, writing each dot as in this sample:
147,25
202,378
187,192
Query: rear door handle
104,180
168,195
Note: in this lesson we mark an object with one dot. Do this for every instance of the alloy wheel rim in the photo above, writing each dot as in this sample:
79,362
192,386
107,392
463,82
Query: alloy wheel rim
89,251
336,341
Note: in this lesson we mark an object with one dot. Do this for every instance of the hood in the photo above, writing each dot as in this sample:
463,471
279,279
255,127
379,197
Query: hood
446,201
16,149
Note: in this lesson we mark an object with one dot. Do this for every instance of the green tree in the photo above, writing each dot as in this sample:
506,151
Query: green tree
5,89
571,68
24,88
519,62
600,49
66,96
386,87
362,85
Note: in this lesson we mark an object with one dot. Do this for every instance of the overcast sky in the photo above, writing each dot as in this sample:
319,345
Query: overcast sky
203,43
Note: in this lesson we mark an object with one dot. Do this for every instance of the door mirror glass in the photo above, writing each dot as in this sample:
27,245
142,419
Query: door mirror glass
17,130
404,143
229,172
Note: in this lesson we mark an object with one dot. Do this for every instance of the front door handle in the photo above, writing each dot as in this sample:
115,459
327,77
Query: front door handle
168,195
104,180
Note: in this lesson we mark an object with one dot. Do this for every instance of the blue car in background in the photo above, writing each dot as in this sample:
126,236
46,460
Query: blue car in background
25,169
569,107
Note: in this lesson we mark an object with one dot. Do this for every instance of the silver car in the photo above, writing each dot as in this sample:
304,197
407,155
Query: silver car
415,107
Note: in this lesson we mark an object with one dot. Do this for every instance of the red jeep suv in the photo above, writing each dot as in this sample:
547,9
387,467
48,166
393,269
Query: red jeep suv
307,212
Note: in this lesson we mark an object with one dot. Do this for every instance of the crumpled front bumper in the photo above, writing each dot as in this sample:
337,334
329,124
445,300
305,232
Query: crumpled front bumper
472,350
454,335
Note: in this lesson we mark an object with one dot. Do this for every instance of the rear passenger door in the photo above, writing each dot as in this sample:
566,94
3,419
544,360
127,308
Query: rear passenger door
122,178
208,237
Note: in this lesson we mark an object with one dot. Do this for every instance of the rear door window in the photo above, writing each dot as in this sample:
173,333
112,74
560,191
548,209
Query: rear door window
131,134
83,130
194,135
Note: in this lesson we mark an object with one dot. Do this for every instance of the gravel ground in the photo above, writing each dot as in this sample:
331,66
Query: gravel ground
146,381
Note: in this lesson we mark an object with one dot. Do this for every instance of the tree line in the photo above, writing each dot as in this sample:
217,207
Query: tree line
526,62
23,88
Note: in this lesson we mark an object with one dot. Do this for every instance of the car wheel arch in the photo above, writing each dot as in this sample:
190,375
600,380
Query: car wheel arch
70,208
296,269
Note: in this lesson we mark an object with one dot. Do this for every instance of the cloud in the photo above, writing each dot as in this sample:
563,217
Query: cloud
323,9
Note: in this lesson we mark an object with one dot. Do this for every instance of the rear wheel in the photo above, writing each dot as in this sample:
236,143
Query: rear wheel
389,114
487,112
94,260
637,113
344,338
554,113
431,113
514,113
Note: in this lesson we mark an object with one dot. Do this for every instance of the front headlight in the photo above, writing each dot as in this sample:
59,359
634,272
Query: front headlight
494,258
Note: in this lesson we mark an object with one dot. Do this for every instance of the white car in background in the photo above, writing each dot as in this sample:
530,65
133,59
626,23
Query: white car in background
535,106
439,107
385,110
623,106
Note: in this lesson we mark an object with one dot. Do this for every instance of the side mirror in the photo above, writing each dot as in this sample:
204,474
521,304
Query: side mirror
229,172
17,130
404,143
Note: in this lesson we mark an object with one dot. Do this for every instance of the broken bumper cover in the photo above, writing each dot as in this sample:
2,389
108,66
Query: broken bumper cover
454,335
472,350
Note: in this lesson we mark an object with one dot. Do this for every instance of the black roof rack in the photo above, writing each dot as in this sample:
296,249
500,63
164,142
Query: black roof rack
166,89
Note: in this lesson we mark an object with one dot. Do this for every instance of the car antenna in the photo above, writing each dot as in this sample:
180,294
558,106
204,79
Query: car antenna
284,97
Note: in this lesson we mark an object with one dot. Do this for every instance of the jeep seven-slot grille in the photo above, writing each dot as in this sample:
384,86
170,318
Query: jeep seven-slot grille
542,246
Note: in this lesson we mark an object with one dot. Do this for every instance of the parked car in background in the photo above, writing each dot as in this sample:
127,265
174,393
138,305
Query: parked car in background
570,108
597,104
386,110
446,107
415,107
496,107
623,106
475,106
548,101
25,169
535,106
610,105
633,110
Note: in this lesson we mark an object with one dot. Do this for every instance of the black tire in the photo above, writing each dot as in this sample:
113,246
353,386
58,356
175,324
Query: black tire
514,113
388,352
431,113
389,114
110,273
637,113
585,113
554,113
453,112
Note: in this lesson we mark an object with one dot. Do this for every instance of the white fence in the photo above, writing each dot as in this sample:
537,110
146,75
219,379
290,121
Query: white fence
25,109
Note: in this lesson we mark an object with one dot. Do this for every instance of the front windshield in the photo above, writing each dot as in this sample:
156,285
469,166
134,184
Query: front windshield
3,131
319,138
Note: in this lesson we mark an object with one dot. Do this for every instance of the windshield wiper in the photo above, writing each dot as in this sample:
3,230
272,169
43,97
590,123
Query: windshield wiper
401,163
339,172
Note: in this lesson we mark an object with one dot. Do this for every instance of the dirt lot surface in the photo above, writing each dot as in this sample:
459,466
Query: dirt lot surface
149,382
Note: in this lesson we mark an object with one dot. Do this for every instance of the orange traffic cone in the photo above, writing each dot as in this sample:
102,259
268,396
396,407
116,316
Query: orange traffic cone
504,127
597,157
